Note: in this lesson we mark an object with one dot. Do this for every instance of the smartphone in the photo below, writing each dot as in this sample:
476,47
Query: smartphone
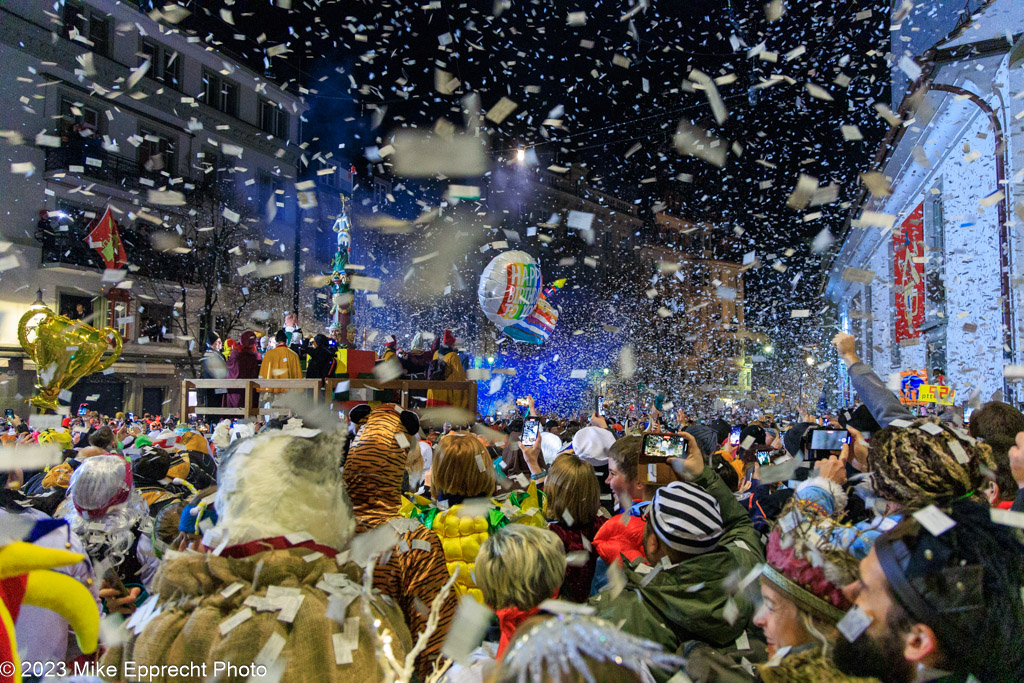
522,402
83,409
764,457
131,417
827,439
734,436
652,467
599,406
967,415
9,413
531,432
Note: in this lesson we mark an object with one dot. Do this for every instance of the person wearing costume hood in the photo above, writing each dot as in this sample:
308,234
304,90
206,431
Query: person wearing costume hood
374,468
283,553
454,372
244,363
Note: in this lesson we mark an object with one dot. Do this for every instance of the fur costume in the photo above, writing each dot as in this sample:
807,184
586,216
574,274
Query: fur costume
373,472
264,594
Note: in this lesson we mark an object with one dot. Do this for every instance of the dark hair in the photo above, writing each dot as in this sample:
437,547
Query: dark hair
281,337
728,474
1004,476
959,577
996,420
102,437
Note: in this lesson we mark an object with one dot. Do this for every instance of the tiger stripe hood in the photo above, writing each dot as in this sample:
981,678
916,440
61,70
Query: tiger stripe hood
376,463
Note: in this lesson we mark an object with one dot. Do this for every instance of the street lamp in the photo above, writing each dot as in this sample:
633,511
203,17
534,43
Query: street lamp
605,371
490,360
767,348
520,155
38,303
809,360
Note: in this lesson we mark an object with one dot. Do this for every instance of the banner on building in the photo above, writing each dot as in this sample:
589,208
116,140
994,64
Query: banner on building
936,393
911,382
908,275
105,238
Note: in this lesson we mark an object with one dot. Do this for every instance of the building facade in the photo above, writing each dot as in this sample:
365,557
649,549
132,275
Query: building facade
927,276
709,318
109,107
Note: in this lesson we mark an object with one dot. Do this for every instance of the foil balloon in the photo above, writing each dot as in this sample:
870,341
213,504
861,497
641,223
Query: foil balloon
538,325
64,352
509,288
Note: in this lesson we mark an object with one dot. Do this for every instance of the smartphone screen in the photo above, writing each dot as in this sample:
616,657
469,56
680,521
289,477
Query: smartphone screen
600,406
764,457
9,413
734,436
967,414
531,431
827,439
652,465
522,402
664,446
83,409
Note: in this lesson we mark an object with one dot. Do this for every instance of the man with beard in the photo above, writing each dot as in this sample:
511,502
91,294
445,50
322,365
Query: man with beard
943,606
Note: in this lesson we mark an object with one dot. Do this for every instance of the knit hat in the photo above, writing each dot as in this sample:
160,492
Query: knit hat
914,466
806,565
686,518
592,444
448,338
706,438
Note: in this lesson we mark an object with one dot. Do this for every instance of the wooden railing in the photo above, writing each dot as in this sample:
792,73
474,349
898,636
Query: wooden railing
322,390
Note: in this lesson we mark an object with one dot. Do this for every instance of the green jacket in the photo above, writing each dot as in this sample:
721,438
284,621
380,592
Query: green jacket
687,601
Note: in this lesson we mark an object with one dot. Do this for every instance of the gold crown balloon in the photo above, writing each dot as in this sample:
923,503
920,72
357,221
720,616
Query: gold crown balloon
64,352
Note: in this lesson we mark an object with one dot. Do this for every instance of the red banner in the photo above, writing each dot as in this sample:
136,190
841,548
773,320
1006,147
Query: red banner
908,275
104,238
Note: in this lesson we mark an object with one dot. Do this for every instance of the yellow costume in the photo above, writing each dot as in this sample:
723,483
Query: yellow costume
280,363
462,532
454,373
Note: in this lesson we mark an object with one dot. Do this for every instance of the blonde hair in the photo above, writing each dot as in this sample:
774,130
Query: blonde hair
520,566
462,467
571,486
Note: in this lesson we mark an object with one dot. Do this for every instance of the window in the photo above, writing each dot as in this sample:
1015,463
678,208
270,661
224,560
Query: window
220,93
164,64
273,119
381,190
87,26
155,322
157,153
212,165
77,119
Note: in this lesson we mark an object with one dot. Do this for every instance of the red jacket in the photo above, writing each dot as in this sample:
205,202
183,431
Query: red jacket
615,538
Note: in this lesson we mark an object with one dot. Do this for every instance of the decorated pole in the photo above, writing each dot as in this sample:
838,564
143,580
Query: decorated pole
342,297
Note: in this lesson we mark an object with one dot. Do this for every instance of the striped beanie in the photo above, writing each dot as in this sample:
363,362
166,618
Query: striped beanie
686,518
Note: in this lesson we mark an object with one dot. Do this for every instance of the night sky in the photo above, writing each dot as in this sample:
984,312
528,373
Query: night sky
605,85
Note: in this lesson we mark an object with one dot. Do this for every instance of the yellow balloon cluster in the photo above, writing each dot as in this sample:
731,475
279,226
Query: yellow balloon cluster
64,352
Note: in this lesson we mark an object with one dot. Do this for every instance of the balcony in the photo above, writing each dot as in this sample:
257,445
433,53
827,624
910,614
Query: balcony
90,160
67,243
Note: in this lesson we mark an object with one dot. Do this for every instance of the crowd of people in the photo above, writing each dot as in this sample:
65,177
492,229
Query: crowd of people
289,354
541,547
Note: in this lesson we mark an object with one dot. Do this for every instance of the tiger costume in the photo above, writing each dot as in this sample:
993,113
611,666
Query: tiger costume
415,573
